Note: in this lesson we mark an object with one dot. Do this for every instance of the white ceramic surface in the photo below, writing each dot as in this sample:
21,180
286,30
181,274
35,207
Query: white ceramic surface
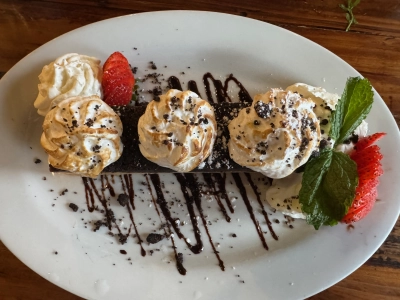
301,263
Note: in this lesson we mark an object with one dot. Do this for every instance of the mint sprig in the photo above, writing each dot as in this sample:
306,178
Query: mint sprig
353,107
351,19
330,180
328,188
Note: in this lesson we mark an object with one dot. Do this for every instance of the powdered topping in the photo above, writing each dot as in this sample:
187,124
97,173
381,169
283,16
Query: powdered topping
325,103
82,135
177,130
276,135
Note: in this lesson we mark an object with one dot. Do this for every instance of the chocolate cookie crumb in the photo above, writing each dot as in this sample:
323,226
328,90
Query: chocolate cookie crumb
122,238
263,110
74,207
123,199
37,161
324,122
154,238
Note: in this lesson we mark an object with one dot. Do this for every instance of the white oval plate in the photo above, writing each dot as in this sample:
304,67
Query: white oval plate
301,263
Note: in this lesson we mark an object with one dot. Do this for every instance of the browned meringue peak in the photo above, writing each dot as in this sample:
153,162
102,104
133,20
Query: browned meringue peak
177,130
82,135
276,135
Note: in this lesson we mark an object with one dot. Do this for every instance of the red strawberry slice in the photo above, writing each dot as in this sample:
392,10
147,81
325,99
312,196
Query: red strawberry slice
115,58
363,199
367,157
118,80
365,187
370,171
369,140
361,212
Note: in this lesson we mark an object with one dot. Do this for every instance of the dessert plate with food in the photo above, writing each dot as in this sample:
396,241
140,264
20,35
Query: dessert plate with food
159,162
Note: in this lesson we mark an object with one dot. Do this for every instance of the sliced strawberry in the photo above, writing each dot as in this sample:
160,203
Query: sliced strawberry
363,199
115,58
365,187
120,95
373,167
361,212
118,80
367,157
369,140
372,173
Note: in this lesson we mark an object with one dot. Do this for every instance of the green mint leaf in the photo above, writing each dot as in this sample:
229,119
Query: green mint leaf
328,188
352,108
312,178
340,184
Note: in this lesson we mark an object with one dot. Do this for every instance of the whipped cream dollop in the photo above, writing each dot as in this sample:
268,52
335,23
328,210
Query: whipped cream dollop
68,76
82,135
283,195
177,130
276,135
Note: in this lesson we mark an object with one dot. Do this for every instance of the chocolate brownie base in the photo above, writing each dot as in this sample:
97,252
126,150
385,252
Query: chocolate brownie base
132,161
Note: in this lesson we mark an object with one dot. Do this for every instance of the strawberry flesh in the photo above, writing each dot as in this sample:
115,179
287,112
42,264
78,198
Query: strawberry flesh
367,157
369,140
118,80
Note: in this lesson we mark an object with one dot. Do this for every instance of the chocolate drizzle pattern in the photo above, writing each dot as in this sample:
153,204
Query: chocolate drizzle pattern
192,189
209,180
221,90
242,189
189,182
265,214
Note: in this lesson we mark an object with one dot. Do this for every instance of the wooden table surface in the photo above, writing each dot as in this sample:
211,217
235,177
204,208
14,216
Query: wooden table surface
372,47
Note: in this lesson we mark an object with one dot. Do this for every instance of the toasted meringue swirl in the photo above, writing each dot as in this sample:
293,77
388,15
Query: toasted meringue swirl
177,131
276,135
68,76
82,135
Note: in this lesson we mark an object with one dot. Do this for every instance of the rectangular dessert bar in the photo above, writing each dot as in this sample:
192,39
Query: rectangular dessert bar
132,161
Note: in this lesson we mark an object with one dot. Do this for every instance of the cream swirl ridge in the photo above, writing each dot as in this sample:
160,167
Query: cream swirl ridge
82,135
276,135
177,130
68,76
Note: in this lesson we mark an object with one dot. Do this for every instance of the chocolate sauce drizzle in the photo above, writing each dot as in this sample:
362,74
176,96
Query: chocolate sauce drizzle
188,181
220,89
208,179
155,178
192,85
242,190
174,83
265,214
91,190
179,265
128,189
192,193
